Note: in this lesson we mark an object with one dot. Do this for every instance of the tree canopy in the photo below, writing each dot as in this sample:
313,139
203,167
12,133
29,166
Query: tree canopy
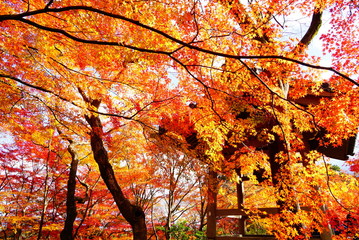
113,102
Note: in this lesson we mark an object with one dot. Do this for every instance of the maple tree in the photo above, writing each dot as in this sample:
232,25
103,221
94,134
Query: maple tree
223,80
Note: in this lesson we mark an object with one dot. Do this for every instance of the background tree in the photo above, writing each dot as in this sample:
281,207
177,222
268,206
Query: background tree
179,180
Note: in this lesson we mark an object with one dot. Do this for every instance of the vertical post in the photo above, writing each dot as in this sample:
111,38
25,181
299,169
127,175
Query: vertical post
212,205
240,202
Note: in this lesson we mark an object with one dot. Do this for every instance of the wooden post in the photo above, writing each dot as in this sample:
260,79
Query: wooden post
212,205
240,200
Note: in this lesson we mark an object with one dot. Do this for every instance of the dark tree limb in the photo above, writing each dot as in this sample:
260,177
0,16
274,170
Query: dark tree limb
49,4
133,214
313,29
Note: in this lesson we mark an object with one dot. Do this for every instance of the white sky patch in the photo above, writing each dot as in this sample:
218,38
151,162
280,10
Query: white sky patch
5,138
173,75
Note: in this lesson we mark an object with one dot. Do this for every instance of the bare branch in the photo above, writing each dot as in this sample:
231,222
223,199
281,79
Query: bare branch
48,4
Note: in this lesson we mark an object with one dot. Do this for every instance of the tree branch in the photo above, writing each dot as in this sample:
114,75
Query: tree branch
313,28
48,4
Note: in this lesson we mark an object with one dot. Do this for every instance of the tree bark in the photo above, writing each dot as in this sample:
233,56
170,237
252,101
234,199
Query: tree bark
132,213
313,29
71,211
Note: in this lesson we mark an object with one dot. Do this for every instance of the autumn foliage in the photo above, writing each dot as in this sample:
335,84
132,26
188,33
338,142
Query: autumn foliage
113,113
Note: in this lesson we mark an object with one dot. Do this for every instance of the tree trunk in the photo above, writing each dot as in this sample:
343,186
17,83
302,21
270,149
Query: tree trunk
280,175
132,213
46,191
71,213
